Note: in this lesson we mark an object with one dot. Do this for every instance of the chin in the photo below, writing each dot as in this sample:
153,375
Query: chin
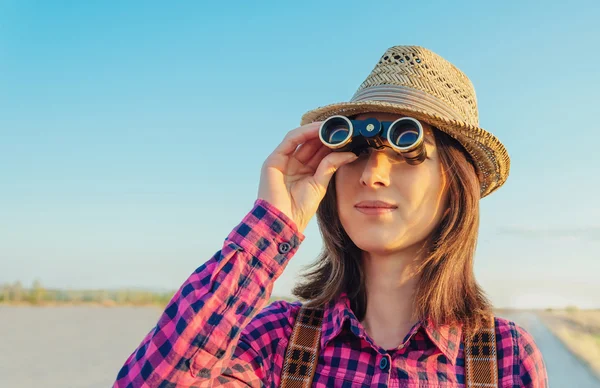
383,240
376,243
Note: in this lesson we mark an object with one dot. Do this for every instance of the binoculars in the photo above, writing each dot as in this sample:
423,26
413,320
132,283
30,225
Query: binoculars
405,136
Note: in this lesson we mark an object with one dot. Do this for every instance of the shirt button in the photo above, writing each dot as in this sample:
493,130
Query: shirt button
284,247
383,363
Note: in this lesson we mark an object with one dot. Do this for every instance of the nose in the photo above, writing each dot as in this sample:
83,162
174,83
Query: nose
376,171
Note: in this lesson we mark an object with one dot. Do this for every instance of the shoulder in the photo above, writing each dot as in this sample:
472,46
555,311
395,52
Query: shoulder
271,328
514,338
519,357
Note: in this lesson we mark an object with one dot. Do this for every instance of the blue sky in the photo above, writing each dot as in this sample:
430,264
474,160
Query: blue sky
132,133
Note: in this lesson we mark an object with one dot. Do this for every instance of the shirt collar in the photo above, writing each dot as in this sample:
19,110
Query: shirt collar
446,338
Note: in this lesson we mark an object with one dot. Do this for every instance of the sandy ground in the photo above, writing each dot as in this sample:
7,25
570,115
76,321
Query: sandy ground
579,330
69,346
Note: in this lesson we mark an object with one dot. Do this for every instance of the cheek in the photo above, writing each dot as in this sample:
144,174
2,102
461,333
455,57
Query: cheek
345,184
424,194
346,194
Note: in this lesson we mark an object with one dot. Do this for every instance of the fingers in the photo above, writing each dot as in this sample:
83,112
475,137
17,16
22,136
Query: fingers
329,166
296,137
322,152
307,150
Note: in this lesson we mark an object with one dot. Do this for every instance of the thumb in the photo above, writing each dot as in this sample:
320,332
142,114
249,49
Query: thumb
329,166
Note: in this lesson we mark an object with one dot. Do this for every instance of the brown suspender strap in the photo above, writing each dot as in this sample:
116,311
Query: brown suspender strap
481,365
302,354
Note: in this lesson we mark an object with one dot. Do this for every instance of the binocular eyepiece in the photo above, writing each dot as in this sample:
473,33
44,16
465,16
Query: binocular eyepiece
405,136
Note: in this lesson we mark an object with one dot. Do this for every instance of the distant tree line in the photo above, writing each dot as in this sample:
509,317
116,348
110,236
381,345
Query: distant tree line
37,294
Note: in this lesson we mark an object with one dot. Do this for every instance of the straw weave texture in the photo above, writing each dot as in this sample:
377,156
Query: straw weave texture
481,365
303,350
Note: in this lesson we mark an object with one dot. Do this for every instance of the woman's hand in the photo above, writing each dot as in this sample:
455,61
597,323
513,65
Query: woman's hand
295,176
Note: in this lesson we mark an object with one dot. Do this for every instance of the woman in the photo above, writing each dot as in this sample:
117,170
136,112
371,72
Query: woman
394,283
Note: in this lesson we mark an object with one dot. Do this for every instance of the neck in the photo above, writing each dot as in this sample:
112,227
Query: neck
390,281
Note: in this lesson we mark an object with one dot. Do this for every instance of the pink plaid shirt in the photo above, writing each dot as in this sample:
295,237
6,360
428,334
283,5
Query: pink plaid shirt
217,332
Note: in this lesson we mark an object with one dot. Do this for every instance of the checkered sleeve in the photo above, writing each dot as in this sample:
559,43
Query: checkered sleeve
258,358
532,369
195,337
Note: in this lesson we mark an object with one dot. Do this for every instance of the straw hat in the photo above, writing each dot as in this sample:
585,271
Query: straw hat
413,80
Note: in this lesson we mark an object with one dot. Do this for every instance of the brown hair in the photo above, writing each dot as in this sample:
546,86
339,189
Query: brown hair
447,291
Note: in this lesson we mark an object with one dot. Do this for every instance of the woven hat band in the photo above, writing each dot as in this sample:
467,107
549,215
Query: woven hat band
406,96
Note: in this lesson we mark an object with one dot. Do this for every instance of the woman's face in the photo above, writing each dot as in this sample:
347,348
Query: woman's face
417,194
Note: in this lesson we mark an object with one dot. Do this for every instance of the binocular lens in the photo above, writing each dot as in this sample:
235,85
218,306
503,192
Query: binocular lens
406,139
337,135
404,134
336,131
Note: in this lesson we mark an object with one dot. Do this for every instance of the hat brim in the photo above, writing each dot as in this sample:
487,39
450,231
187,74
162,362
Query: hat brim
491,158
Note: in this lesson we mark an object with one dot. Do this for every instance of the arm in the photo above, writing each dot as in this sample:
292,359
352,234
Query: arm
195,337
259,356
532,373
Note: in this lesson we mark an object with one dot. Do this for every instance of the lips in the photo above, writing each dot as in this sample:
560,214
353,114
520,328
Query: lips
375,205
